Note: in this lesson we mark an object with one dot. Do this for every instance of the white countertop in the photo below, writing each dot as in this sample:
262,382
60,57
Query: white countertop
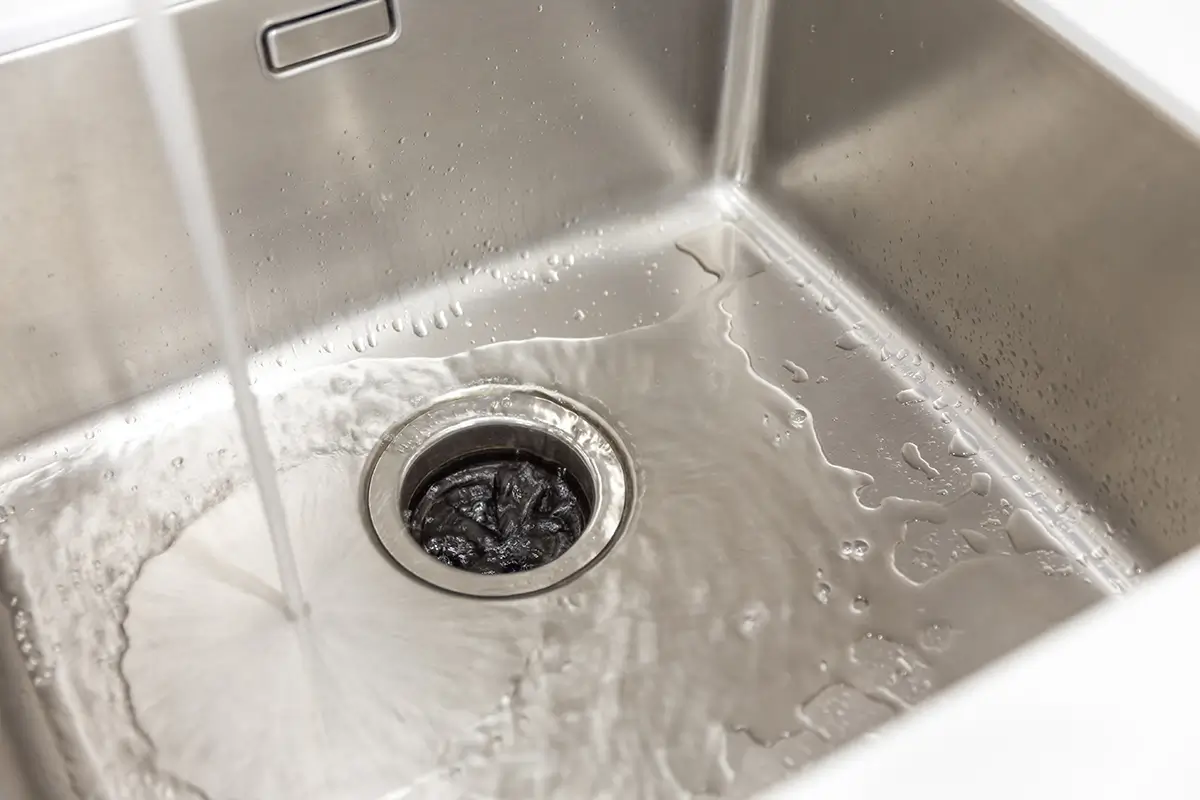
1104,706
24,23
1151,45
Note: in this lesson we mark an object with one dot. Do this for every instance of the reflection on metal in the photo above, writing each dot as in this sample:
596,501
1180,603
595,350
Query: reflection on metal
742,91
501,421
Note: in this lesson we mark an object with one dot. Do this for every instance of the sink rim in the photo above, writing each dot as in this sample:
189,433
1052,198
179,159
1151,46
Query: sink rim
535,411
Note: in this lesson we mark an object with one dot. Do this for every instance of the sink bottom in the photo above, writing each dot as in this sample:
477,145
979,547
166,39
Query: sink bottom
827,529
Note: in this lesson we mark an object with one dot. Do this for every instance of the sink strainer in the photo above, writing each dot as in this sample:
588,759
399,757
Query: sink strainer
499,491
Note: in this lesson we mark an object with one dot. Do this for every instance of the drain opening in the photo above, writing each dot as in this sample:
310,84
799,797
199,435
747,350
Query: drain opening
497,499
499,491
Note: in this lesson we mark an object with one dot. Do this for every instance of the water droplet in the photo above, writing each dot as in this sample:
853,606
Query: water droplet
177,462
554,260
1027,533
1054,565
977,541
797,418
397,324
420,328
754,618
360,345
850,341
440,321
580,314
909,397
937,636
859,605
823,591
829,303
981,483
855,550
456,308
798,373
372,339
912,456
963,445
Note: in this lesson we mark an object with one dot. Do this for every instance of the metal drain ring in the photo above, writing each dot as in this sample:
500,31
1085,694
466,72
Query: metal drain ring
500,419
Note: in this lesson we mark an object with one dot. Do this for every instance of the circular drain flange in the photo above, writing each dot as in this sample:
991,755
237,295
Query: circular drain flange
499,491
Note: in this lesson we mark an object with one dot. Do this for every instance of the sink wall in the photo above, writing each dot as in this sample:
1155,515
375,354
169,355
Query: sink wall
1033,219
341,188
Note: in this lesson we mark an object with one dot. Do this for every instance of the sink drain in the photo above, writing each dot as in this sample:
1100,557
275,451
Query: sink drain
499,491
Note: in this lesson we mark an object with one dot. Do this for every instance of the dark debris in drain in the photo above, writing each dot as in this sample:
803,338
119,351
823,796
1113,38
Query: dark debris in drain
499,516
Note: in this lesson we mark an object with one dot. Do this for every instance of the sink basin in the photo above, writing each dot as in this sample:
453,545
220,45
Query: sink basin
878,313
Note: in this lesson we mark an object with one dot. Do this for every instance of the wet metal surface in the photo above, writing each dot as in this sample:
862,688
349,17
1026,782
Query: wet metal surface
737,631
879,380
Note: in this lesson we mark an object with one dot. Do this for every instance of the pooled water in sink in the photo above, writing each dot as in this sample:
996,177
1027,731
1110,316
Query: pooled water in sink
753,602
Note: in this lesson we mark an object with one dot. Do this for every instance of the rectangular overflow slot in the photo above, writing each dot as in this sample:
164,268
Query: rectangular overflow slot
329,34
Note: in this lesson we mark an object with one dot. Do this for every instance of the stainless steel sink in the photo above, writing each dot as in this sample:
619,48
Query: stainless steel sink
886,303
